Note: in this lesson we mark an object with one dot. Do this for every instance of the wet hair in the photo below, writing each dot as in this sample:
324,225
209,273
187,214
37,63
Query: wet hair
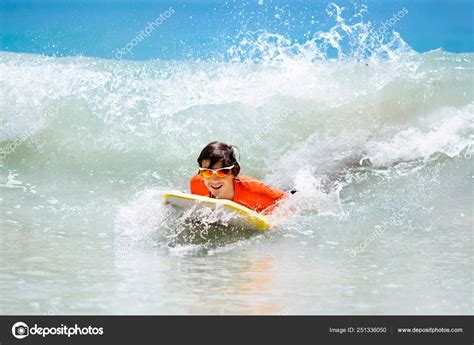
218,151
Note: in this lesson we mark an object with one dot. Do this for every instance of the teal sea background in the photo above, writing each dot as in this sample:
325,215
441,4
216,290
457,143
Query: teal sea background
365,107
206,29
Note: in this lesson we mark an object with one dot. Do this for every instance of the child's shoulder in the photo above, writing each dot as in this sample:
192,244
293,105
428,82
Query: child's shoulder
256,186
248,181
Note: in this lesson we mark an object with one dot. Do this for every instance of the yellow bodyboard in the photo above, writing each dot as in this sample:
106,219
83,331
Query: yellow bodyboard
246,217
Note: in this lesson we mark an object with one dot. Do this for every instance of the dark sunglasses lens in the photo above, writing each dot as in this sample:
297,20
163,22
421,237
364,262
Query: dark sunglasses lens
223,172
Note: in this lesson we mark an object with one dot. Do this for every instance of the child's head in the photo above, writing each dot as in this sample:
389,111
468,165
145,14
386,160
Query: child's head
218,155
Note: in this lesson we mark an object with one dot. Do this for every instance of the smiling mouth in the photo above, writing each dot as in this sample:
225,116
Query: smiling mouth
216,186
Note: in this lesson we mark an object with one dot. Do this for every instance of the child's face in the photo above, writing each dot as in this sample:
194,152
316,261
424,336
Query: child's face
220,187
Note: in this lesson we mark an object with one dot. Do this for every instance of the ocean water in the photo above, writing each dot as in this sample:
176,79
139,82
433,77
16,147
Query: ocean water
374,127
206,29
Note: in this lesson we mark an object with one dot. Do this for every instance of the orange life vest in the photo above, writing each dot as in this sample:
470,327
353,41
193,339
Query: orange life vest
248,192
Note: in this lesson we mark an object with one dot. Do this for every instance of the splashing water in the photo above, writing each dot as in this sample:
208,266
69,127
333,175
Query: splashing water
372,134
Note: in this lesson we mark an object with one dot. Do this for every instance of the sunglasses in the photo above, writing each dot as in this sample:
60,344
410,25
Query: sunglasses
222,172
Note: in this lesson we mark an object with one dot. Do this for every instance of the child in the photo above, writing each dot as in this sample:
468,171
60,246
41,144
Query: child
218,177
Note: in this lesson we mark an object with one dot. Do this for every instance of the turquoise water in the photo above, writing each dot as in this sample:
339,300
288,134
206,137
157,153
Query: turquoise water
374,130
206,29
